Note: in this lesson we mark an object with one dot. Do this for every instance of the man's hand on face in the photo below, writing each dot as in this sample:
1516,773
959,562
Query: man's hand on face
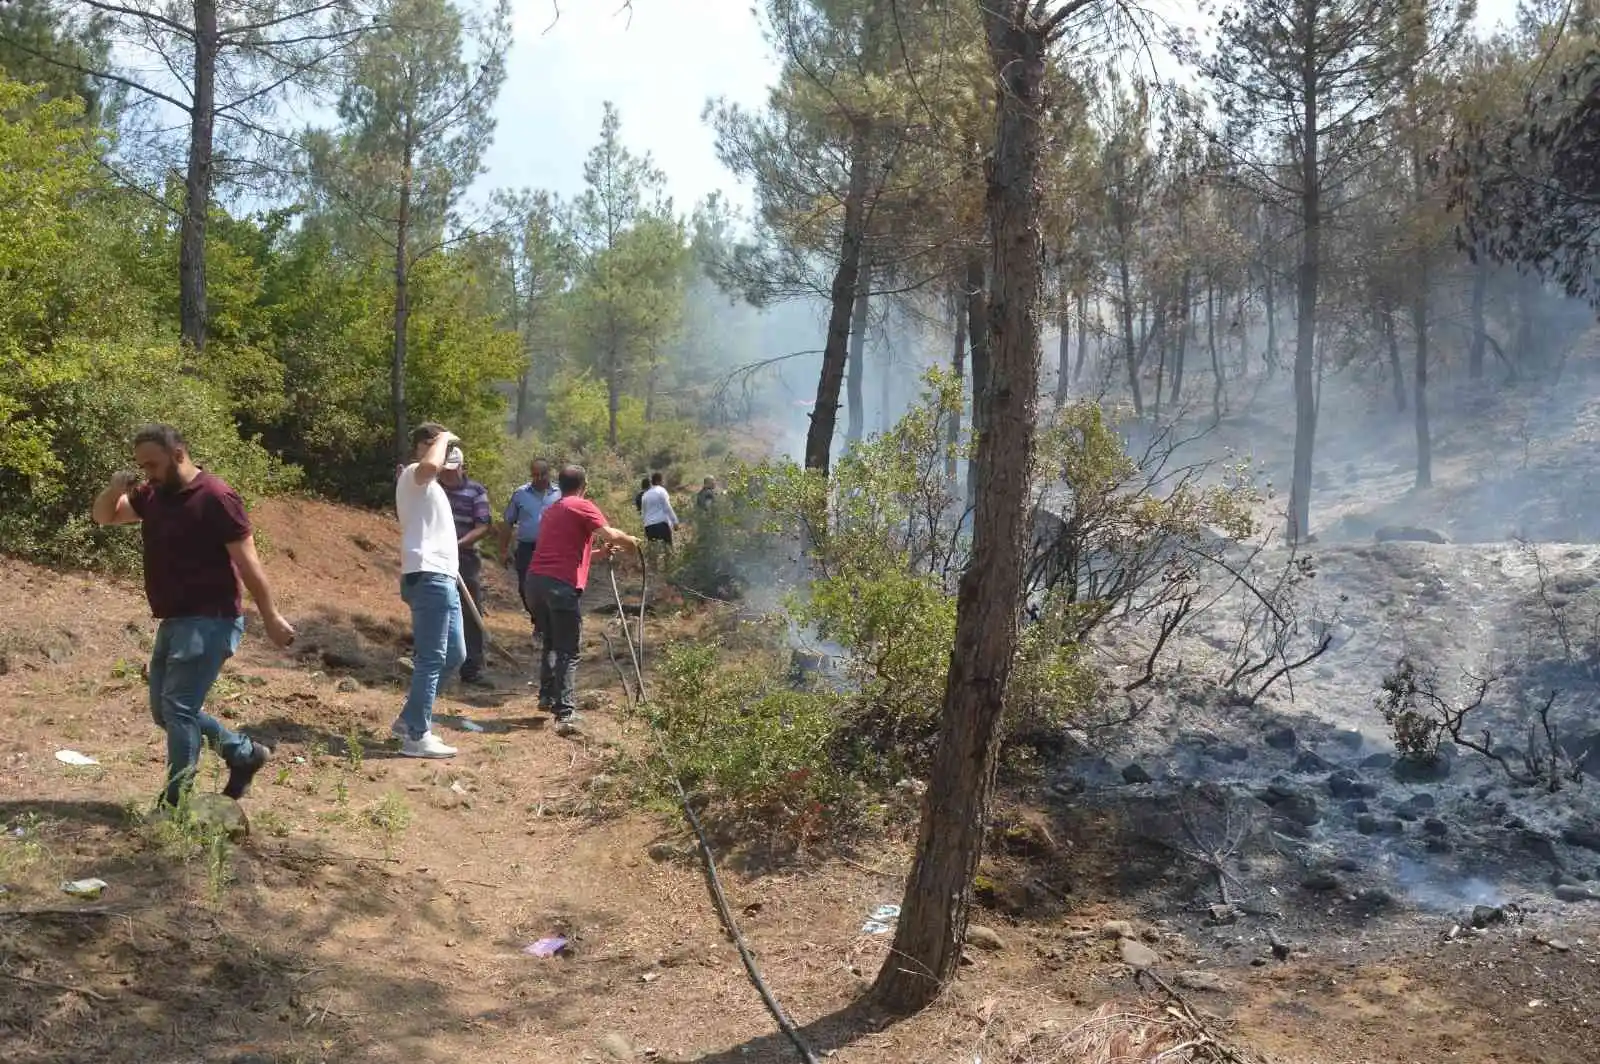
124,480
279,630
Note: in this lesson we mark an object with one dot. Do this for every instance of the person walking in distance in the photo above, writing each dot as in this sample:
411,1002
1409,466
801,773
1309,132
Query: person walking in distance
198,546
555,582
469,508
429,564
522,516
707,495
655,505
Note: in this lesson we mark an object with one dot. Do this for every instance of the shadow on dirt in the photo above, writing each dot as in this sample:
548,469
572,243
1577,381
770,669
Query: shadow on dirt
824,1036
152,971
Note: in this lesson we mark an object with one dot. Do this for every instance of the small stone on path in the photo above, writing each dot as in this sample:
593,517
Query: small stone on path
618,1046
1138,955
1202,981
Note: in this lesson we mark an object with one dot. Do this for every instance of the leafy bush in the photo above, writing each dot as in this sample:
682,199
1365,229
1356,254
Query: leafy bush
758,750
71,427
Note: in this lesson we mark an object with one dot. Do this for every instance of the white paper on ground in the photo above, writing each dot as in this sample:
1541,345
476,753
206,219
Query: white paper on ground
72,757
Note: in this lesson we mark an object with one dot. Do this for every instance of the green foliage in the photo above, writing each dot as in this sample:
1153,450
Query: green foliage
1411,713
762,752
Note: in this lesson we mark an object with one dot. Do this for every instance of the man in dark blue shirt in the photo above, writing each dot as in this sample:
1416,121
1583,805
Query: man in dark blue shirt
469,504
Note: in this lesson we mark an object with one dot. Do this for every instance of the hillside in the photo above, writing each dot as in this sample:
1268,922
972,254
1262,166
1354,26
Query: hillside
381,909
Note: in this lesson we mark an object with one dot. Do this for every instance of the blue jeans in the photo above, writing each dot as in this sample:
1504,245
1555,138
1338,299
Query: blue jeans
439,640
186,661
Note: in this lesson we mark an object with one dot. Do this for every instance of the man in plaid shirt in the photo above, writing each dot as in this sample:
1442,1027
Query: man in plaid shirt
469,504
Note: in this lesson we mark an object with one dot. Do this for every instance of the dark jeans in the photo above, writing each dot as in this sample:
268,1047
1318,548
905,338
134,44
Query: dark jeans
521,560
661,532
184,663
559,621
472,576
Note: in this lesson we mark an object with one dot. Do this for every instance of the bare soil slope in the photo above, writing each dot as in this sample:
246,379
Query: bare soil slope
381,909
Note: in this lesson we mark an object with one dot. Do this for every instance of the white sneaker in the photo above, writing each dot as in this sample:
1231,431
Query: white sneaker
427,746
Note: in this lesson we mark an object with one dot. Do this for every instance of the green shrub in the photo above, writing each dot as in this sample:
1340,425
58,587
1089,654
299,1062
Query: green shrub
74,414
759,751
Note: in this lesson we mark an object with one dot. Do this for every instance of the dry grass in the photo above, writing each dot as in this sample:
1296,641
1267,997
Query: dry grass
1119,1033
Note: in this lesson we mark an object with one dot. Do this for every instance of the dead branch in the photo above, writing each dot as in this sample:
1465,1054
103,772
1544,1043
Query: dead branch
47,984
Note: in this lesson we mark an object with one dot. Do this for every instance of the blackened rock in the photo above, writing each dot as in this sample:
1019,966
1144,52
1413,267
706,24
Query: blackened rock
1310,762
1368,824
1356,807
1281,738
1135,773
1437,845
1484,915
1351,739
1435,827
1301,809
1379,761
1229,753
1345,783
1576,894
1421,800
1541,846
1321,881
1586,837
1408,771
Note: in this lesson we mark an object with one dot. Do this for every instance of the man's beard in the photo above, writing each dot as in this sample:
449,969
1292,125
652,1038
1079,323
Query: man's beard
170,484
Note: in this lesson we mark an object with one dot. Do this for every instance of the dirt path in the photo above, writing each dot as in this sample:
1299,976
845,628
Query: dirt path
381,908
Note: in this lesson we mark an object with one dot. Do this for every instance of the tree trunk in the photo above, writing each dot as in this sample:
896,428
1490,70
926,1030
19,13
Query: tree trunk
1125,281
1184,296
197,181
825,413
1158,329
855,384
613,388
933,917
1217,379
1396,371
886,385
1480,335
1305,421
978,337
1083,333
958,371
402,305
1419,325
1270,307
1063,344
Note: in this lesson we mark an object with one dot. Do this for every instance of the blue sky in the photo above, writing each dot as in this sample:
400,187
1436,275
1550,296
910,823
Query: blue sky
659,68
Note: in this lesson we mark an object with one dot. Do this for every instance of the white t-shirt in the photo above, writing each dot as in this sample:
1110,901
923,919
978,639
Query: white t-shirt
427,527
656,507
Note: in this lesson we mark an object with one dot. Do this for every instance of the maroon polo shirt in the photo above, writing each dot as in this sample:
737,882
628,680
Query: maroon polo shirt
188,571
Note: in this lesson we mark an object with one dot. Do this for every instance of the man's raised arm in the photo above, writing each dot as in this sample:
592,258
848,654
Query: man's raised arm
111,506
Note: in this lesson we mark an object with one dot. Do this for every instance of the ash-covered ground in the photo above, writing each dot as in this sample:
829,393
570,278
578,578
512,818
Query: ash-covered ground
1254,827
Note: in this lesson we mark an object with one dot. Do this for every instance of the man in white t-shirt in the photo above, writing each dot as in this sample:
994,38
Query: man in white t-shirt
429,565
655,506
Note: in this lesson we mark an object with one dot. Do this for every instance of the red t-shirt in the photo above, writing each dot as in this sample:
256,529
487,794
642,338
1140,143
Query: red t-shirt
188,571
565,532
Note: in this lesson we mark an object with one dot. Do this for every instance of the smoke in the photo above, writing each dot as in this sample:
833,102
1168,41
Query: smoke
1425,888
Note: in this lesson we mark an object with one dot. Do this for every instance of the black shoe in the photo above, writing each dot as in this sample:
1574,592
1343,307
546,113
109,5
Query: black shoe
478,680
240,775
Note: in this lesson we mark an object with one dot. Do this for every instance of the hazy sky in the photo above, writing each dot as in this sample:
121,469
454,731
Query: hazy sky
659,69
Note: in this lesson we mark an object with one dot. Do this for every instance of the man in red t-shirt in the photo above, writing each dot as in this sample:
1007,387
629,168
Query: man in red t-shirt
554,583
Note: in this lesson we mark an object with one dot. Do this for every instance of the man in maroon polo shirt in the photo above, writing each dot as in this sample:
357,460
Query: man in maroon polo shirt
198,545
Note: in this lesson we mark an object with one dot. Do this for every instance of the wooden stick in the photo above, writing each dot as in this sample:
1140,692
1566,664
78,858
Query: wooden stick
47,984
